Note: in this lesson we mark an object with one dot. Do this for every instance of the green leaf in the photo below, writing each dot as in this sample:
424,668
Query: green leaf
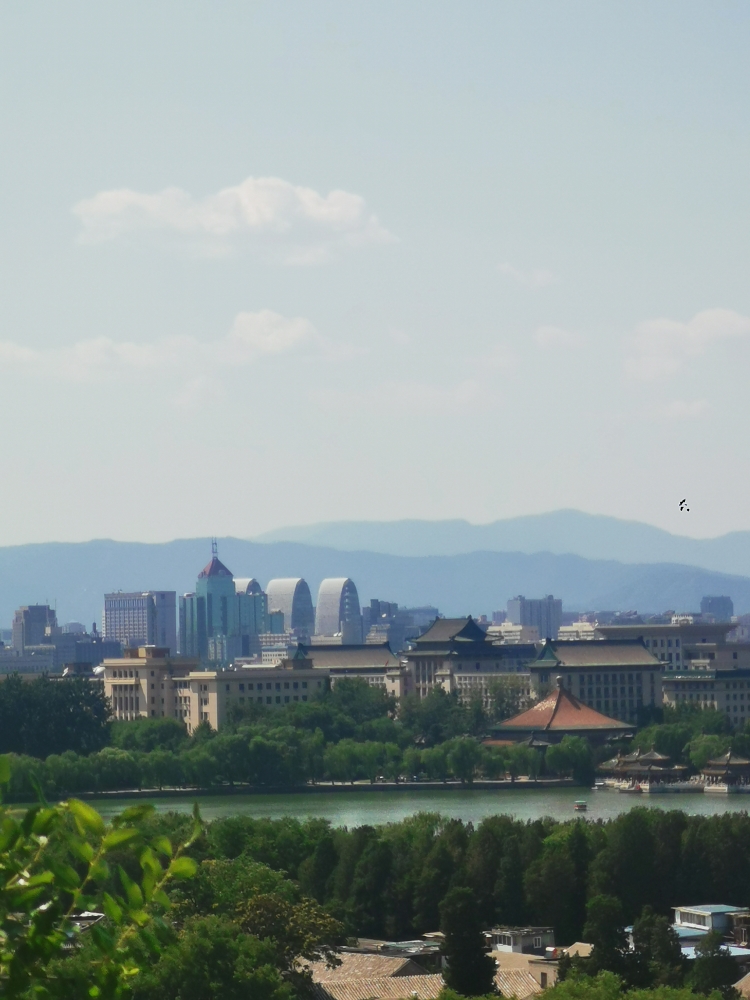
66,876
133,814
162,845
4,770
86,817
133,892
116,838
111,909
82,849
182,868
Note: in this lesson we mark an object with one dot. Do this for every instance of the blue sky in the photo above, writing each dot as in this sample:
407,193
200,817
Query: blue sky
277,263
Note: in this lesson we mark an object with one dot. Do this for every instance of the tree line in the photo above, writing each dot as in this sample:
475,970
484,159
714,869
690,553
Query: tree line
226,909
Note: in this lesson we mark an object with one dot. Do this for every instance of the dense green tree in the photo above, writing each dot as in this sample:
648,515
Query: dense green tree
469,969
213,957
43,717
150,734
657,943
464,755
713,968
604,929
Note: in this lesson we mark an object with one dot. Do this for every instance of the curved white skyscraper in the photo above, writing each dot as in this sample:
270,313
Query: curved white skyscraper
292,596
338,610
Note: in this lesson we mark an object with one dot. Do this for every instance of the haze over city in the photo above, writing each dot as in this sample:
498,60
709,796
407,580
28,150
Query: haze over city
275,264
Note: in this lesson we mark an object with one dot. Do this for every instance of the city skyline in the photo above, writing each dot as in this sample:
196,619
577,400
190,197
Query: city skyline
357,240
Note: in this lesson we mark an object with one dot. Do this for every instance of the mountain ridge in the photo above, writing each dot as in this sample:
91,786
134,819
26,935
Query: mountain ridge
77,574
560,532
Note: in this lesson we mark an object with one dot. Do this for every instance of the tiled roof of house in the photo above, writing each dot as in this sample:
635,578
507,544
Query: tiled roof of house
595,653
560,710
516,983
388,988
364,966
743,986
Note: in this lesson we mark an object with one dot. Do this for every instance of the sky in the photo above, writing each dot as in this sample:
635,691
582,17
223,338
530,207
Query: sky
278,263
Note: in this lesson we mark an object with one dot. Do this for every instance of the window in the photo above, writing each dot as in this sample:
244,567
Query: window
537,942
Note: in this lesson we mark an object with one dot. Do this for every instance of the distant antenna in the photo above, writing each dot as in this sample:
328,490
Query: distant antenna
214,547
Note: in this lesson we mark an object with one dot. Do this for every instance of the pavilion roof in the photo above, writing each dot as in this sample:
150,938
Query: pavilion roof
561,711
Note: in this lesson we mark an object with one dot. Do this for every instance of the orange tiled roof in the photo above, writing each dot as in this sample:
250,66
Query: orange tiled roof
560,710
358,966
390,988
516,983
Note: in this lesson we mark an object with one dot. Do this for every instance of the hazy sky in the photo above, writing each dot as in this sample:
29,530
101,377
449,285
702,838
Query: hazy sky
276,263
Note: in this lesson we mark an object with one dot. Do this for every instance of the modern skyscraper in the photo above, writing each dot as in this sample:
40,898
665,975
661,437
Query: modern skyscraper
219,620
545,614
291,595
146,618
722,608
30,625
338,610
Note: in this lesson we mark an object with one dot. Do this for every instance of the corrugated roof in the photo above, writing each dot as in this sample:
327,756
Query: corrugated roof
560,710
390,988
516,983
596,653
364,966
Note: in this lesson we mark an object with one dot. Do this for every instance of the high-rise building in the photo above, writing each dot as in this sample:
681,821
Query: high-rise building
30,625
291,596
222,619
720,608
337,610
545,613
146,618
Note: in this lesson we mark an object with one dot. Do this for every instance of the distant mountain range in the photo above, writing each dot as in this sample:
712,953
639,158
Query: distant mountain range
76,576
562,532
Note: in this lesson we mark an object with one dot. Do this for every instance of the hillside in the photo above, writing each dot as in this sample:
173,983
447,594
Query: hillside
77,575
562,532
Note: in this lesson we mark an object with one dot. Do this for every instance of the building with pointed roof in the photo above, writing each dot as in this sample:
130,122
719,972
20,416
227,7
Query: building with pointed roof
618,677
730,769
459,656
562,714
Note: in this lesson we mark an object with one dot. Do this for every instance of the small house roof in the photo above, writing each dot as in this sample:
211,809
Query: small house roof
517,983
387,988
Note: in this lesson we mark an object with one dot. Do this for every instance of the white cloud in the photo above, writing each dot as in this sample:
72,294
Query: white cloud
294,224
683,409
555,336
251,337
660,347
536,278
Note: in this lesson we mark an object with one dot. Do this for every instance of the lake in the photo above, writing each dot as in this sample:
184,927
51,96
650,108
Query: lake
360,808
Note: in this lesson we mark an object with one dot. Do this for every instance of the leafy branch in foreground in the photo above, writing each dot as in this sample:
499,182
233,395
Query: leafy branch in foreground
60,862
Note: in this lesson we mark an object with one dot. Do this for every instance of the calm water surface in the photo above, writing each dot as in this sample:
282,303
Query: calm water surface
359,808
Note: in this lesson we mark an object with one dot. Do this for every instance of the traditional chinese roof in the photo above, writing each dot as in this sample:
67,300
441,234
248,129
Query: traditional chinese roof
215,568
561,711
367,655
591,654
445,630
728,760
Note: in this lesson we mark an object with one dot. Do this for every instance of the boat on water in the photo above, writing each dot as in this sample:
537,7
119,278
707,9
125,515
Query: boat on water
580,805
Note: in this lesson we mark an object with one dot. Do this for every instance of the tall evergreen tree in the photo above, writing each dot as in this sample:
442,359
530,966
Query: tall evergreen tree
470,970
